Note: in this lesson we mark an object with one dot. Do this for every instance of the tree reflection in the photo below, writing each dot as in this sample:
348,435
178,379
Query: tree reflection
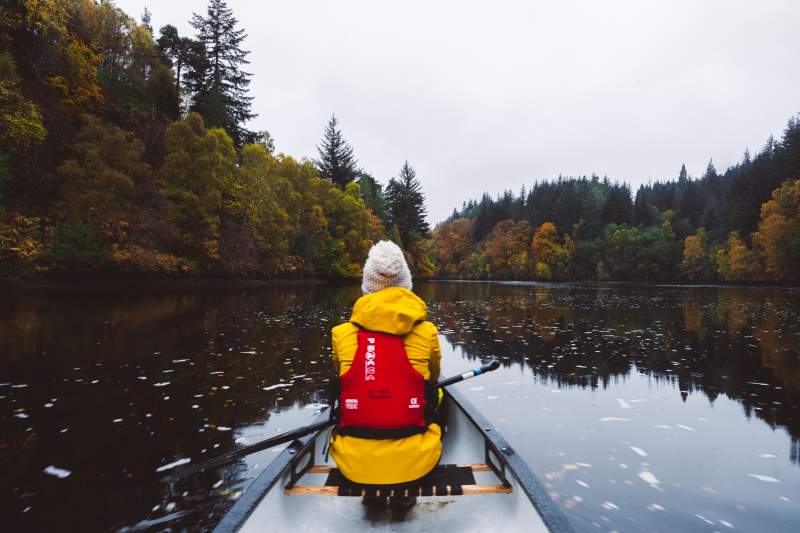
733,341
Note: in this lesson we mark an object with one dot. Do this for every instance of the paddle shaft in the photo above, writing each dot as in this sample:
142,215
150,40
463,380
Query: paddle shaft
289,436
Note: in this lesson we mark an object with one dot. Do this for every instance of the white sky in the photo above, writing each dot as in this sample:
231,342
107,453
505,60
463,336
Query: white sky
496,94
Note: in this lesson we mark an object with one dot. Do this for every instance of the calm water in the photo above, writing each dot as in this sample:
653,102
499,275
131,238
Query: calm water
641,408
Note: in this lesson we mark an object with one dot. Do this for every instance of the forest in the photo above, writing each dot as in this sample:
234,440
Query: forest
742,225
125,151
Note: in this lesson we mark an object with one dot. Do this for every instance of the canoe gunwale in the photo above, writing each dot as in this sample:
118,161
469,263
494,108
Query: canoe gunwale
509,462
237,515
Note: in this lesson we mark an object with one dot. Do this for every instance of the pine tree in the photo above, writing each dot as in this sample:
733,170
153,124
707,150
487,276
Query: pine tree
183,53
372,194
222,100
618,207
405,206
336,162
643,212
147,20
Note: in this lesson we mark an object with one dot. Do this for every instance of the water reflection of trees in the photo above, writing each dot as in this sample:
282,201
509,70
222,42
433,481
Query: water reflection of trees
92,352
741,343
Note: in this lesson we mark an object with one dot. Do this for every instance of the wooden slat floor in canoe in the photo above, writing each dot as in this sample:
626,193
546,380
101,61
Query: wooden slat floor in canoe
444,480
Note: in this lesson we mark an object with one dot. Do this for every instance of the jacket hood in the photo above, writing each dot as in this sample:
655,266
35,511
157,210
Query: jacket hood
394,310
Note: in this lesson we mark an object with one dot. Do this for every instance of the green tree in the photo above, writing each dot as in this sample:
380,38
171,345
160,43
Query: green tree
270,203
100,185
372,194
223,98
405,206
199,171
21,124
336,162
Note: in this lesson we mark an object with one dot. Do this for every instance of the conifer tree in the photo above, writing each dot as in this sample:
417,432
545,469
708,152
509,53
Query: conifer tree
221,97
405,206
336,162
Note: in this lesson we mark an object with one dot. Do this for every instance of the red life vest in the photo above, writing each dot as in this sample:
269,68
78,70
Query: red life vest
382,394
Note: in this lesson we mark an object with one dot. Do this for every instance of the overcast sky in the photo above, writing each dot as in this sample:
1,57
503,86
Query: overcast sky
494,95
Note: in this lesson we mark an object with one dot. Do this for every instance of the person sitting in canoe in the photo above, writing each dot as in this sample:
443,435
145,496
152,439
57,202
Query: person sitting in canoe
384,355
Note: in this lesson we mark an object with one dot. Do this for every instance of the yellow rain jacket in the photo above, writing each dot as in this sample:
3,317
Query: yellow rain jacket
397,311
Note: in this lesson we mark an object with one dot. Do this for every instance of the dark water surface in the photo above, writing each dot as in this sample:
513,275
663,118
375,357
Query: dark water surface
655,408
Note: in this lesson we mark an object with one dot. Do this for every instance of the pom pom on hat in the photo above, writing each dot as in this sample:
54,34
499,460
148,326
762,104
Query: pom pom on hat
385,267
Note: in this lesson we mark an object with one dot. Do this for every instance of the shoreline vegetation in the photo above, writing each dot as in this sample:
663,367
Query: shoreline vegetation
124,153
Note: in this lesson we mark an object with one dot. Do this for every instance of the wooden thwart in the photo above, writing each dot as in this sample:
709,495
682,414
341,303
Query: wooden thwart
326,469
444,480
334,491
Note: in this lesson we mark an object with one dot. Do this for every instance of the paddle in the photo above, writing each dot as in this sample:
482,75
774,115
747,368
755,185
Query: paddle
289,436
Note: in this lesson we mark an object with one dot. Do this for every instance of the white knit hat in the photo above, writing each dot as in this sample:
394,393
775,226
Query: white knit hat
385,267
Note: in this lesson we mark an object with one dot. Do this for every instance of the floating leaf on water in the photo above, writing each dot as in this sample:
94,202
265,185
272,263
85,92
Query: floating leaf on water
570,467
179,462
704,519
57,472
765,478
648,477
277,386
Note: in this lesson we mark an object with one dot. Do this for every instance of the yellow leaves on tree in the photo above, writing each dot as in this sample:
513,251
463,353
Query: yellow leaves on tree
697,263
736,262
778,236
550,258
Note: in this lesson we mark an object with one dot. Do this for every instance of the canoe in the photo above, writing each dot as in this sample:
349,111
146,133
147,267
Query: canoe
481,484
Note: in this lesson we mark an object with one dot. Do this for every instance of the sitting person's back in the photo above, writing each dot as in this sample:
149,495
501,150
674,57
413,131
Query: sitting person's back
367,447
